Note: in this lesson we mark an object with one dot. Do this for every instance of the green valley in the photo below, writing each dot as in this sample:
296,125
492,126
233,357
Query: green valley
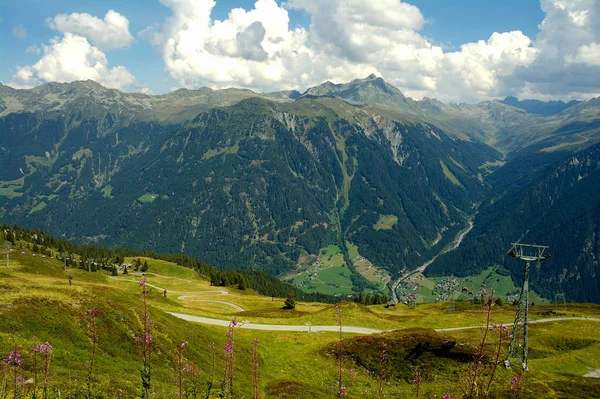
40,299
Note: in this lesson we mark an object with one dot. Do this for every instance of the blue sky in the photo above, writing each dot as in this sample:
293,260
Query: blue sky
425,41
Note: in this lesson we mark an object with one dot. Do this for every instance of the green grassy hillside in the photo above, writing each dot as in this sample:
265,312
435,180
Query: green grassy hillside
36,300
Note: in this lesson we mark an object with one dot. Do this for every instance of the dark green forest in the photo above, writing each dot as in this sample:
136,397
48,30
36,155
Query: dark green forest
558,208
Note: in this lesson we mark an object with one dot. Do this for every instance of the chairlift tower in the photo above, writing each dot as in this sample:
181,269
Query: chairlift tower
519,337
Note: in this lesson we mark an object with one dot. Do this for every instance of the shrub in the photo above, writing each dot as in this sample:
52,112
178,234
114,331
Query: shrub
290,302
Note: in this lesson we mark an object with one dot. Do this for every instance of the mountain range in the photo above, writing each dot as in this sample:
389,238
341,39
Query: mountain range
267,180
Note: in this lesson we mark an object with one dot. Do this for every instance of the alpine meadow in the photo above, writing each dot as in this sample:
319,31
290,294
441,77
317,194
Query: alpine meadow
348,199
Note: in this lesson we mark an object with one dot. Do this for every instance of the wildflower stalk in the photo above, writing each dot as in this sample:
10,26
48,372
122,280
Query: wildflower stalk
229,361
476,368
503,335
342,390
35,367
179,365
255,390
418,381
211,382
214,361
46,350
382,368
516,386
92,334
190,381
145,343
15,361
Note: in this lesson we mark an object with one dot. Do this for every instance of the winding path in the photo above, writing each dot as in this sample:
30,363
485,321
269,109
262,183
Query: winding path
274,327
308,327
347,329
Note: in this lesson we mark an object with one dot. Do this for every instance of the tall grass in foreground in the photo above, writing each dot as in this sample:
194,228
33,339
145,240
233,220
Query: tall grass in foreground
91,318
480,374
145,344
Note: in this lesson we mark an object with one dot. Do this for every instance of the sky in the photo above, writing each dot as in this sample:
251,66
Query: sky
453,50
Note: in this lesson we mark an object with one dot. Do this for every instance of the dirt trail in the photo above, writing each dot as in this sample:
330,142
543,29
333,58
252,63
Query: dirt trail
274,327
348,329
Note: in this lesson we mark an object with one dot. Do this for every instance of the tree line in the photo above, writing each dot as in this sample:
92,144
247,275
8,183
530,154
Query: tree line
109,258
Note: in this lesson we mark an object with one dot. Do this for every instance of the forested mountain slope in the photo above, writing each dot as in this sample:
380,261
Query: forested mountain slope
551,201
257,184
267,181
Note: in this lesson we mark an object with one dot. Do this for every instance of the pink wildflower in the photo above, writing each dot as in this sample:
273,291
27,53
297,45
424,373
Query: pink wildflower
45,348
228,348
183,345
148,339
142,282
14,359
502,328
343,391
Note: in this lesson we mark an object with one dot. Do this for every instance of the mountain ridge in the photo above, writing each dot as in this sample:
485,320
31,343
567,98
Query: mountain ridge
269,181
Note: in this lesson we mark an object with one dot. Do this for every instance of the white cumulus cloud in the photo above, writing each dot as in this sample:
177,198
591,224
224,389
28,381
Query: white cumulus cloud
252,48
568,64
72,58
346,39
108,34
79,53
587,54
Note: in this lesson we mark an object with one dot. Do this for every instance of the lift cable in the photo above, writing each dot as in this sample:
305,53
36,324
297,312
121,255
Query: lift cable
567,222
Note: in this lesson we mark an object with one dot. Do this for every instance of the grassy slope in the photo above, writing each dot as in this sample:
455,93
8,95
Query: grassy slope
331,275
366,268
36,299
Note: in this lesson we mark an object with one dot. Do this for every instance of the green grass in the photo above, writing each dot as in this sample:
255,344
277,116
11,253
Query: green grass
107,192
220,151
8,188
41,205
330,251
566,143
449,174
385,222
148,197
329,275
37,300
489,166
365,267
82,153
